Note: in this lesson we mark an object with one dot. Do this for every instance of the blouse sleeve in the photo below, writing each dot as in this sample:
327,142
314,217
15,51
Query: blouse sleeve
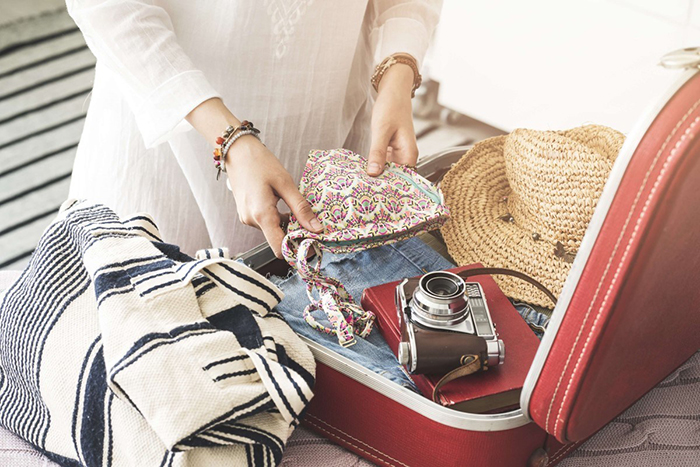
404,26
136,41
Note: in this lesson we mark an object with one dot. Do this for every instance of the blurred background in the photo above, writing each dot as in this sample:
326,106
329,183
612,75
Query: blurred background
494,66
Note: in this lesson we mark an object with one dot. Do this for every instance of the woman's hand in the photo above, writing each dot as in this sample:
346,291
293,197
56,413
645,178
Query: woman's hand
393,136
258,182
257,178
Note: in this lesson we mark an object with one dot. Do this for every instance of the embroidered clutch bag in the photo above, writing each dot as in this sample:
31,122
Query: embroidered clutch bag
357,212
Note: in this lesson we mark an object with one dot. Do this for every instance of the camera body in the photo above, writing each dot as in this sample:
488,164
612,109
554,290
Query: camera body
443,320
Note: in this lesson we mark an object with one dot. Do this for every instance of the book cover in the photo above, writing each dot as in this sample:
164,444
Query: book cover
498,388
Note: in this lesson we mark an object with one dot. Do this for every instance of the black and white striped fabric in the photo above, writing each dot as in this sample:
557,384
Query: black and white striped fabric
46,74
117,349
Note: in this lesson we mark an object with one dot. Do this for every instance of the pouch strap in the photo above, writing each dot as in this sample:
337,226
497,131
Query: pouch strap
345,316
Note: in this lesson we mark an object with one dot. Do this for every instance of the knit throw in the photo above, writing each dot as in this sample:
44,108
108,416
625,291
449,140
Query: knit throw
118,350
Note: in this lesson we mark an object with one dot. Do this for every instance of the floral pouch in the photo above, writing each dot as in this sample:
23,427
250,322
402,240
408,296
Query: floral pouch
357,212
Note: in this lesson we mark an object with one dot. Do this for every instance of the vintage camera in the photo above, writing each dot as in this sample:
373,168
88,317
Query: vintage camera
442,320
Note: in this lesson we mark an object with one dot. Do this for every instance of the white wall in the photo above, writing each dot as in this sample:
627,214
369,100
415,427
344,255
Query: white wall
555,64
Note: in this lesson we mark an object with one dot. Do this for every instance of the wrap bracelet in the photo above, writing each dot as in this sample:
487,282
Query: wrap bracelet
229,143
391,60
227,138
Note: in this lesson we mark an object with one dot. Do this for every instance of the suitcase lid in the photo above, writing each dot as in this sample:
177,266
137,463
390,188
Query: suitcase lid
627,315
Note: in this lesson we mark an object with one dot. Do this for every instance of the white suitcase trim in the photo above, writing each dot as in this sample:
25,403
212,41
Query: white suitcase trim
415,401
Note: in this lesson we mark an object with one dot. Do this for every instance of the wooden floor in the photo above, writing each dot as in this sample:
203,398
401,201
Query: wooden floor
46,74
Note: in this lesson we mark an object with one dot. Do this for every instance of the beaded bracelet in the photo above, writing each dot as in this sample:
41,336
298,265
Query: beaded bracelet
220,141
229,143
227,138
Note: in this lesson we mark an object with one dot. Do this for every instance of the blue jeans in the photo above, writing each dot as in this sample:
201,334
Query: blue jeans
358,271
538,321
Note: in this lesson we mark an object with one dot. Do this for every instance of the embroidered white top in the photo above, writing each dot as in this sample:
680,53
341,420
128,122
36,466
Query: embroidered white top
299,69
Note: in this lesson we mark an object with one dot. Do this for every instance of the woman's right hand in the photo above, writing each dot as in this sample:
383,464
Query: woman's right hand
258,181
257,178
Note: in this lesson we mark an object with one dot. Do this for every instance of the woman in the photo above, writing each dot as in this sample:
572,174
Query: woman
300,70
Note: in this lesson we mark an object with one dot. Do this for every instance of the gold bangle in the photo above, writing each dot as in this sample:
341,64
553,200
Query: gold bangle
391,60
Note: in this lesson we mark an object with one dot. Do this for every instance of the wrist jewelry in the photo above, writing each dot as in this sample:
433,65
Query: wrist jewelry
392,60
225,141
233,139
220,141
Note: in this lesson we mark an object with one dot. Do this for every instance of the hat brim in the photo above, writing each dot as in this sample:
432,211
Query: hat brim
475,191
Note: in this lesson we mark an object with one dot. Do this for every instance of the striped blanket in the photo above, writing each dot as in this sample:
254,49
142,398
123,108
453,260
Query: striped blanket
117,349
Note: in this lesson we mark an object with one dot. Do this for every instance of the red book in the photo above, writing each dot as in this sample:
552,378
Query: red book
494,390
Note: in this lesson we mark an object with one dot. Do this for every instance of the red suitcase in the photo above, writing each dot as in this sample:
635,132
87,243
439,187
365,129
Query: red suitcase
626,319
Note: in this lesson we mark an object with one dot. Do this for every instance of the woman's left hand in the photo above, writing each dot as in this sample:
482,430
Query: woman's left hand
393,136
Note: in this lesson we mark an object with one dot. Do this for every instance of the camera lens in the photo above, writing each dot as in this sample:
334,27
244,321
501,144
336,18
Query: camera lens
440,300
441,286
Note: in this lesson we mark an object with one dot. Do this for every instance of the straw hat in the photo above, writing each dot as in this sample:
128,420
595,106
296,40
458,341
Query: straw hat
523,202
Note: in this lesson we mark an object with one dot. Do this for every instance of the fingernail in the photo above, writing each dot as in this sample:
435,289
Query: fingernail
373,168
316,224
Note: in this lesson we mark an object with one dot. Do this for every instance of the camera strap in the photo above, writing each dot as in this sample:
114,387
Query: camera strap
473,363
470,364
508,272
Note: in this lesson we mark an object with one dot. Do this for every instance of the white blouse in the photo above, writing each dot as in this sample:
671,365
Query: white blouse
298,69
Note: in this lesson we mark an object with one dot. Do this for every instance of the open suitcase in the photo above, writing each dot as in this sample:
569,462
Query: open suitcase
626,318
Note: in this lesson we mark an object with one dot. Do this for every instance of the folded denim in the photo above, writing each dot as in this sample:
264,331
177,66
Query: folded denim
358,271
361,270
537,320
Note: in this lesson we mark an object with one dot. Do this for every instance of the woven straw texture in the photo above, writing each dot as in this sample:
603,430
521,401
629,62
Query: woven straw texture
523,202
